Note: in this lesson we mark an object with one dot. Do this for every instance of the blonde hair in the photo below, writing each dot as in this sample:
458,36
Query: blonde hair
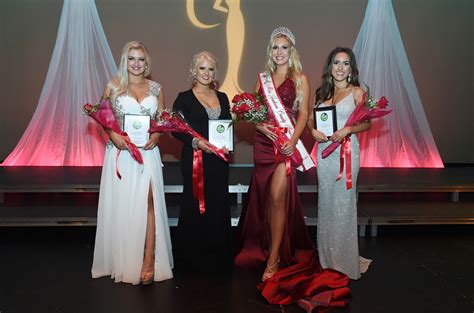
119,84
200,56
294,67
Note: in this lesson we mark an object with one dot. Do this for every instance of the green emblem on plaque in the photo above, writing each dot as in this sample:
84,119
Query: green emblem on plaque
220,128
137,124
324,117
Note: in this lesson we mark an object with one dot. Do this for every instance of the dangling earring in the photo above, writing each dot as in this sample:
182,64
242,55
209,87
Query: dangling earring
349,78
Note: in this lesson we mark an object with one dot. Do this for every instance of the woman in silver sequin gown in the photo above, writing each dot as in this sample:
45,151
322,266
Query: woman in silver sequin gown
337,206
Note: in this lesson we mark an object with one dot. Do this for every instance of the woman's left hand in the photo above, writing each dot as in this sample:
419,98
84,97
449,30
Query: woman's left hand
288,148
152,142
340,134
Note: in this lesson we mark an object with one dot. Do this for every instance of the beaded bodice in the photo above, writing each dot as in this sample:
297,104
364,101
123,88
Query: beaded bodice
287,93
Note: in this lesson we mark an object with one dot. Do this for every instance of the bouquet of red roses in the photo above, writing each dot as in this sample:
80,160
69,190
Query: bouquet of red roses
251,108
248,107
103,114
174,122
366,110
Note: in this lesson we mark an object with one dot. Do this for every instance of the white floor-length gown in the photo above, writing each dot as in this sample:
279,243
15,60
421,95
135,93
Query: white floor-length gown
122,212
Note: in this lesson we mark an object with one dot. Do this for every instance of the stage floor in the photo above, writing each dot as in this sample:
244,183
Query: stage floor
422,269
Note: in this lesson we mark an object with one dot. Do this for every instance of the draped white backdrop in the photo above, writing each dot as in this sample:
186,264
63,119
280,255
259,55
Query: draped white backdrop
403,138
81,65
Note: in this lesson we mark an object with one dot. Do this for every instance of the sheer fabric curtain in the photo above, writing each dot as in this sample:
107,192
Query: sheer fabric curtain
81,65
403,138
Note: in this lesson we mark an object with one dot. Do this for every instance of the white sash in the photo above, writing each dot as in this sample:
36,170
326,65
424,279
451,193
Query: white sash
274,104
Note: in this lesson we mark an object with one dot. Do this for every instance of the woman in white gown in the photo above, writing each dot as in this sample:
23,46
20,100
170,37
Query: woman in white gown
133,241
337,207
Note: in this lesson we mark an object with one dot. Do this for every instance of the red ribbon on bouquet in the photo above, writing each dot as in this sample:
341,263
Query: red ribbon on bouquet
277,144
170,122
347,154
366,110
295,158
198,179
102,112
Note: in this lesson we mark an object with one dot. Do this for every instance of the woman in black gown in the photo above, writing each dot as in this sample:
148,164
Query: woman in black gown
203,240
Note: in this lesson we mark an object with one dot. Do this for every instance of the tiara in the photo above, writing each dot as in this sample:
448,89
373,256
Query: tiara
285,32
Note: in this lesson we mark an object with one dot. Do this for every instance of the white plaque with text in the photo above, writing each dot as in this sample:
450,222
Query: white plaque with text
325,120
137,126
221,134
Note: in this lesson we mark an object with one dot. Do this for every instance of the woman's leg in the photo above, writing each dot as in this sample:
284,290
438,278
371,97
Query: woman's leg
149,257
276,213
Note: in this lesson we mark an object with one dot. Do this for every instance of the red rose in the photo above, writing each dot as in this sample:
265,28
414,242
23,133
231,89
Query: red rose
382,103
89,108
165,115
244,107
256,106
248,96
236,99
235,109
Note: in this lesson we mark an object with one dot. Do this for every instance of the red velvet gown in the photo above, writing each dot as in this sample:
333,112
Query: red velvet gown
300,278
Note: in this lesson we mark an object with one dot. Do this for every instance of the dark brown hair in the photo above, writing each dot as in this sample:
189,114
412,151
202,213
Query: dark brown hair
326,90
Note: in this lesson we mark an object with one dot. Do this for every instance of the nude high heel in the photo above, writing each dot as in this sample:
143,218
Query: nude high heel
270,270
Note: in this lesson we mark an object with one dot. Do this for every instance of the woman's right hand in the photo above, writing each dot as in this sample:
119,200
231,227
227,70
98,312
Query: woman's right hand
266,129
205,146
119,141
318,135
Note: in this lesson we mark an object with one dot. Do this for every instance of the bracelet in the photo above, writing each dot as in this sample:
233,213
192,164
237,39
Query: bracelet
195,142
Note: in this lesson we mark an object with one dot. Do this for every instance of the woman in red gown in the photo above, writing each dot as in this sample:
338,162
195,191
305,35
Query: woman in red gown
271,229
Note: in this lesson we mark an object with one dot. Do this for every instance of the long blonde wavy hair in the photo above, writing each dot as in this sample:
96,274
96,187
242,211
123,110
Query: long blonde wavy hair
119,84
294,68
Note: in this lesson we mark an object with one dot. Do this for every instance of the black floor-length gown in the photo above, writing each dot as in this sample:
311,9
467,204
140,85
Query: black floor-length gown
203,240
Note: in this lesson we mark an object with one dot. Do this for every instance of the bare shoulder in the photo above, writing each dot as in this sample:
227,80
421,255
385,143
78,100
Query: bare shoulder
257,86
303,77
358,94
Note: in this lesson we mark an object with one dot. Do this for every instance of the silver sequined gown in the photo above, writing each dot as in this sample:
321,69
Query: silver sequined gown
337,207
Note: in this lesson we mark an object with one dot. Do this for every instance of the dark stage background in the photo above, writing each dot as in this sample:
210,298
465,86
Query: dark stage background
438,37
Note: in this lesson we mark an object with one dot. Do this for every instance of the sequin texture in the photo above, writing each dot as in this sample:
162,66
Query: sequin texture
337,207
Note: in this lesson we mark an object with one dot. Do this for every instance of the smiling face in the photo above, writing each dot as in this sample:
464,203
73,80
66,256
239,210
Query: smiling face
205,71
281,51
341,67
136,62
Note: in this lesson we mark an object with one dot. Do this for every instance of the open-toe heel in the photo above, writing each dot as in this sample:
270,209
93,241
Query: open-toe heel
147,276
270,270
